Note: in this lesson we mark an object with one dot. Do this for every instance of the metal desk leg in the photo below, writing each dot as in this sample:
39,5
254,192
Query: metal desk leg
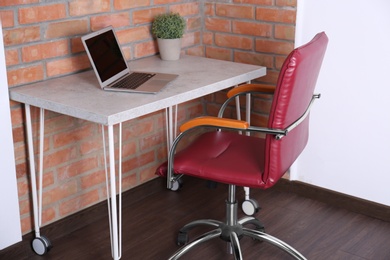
115,227
40,244
171,123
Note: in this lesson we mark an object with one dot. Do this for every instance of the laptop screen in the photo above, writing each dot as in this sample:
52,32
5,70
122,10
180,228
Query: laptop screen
106,55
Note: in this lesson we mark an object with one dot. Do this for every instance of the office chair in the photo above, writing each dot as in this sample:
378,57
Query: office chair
228,155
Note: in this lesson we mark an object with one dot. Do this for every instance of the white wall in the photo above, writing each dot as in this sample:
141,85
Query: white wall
10,231
349,146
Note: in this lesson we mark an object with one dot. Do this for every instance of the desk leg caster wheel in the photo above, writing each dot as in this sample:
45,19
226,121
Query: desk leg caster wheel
250,207
176,185
41,245
182,238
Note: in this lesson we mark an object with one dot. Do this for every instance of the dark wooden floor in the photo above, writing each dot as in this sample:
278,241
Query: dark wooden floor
152,215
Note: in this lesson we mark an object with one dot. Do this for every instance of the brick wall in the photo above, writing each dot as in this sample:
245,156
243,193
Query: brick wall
259,32
42,41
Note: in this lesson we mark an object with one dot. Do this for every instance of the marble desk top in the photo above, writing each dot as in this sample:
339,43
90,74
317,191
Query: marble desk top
79,95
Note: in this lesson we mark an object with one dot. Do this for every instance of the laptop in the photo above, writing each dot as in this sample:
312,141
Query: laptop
112,70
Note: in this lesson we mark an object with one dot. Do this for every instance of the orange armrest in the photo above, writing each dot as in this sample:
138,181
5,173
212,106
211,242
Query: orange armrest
251,88
214,121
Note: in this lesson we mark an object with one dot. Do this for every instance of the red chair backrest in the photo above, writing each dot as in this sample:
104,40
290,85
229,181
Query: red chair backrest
293,93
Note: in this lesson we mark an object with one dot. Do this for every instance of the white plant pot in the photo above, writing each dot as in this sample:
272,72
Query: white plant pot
169,48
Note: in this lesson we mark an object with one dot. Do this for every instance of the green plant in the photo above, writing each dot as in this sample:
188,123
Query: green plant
168,26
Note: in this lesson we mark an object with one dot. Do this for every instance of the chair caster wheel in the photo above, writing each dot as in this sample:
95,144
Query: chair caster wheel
250,207
262,230
41,245
182,238
176,185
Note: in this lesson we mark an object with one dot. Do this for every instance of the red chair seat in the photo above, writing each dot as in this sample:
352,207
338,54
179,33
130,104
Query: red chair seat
224,157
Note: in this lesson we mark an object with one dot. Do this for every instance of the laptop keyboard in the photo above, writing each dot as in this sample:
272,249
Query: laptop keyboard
133,80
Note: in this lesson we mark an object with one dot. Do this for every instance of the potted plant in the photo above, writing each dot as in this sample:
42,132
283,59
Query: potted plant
169,28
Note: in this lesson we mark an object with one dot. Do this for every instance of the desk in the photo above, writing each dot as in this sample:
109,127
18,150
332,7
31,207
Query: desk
79,96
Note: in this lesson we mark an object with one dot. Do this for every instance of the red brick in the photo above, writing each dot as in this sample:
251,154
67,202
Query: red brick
60,192
134,34
196,51
145,49
271,77
66,28
190,39
57,122
279,60
163,2
185,9
235,11
23,187
208,38
115,20
26,224
17,2
259,120
218,24
148,174
277,47
150,141
129,149
137,128
76,45
25,75
77,168
24,206
18,134
93,145
263,105
209,9
80,202
127,52
251,28
129,181
45,51
147,15
194,23
254,58
138,161
126,4
219,53
67,65
48,179
285,32
254,2
7,18
194,109
20,152
48,215
212,109
17,116
35,14
292,3
234,41
84,7
54,159
21,35
11,57
93,179
275,15
74,135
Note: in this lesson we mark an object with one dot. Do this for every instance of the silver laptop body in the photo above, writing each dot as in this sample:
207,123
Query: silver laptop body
112,70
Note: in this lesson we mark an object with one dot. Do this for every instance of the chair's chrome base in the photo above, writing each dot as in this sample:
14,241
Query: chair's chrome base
231,231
